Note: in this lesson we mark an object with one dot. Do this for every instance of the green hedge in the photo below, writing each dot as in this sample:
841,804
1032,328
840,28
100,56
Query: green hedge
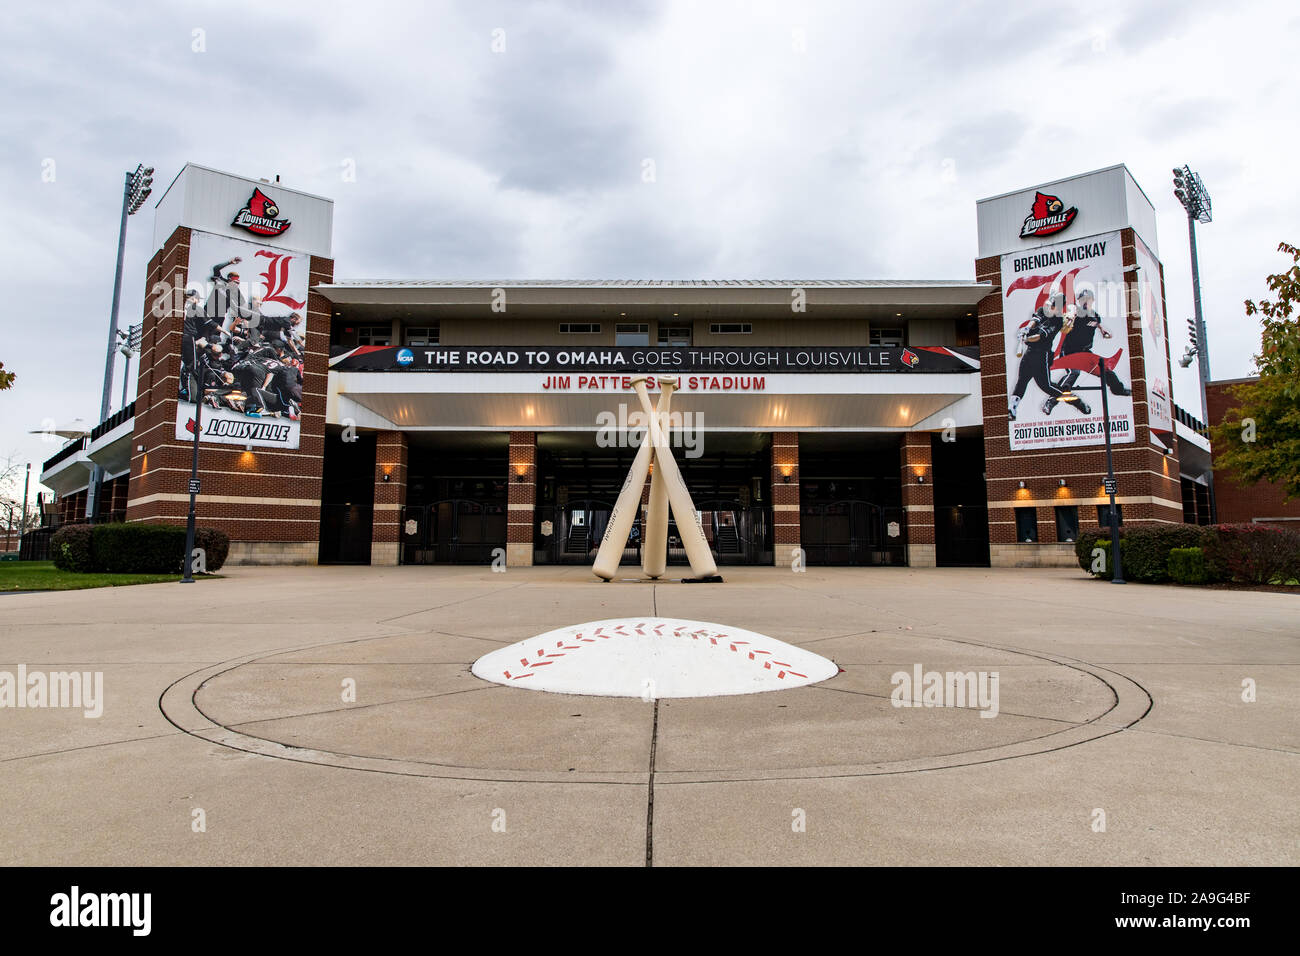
134,548
70,548
1145,551
1187,566
1246,553
215,544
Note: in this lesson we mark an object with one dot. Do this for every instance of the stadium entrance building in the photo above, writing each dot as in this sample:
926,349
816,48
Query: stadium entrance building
851,422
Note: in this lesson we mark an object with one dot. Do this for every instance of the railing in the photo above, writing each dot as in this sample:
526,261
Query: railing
64,453
108,424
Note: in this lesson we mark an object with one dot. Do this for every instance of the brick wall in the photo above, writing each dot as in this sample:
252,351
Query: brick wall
265,497
917,476
521,498
785,497
1236,502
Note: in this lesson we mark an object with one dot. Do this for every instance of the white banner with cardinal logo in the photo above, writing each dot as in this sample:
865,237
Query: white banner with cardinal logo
243,344
1064,308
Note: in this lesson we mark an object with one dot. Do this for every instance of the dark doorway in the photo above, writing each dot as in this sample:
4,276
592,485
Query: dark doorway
961,513
347,497
456,498
850,499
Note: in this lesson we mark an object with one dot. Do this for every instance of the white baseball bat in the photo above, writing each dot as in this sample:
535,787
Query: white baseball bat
697,549
654,549
626,509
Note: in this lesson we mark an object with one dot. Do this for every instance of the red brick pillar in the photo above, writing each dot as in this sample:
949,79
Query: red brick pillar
390,497
785,497
523,499
120,485
918,498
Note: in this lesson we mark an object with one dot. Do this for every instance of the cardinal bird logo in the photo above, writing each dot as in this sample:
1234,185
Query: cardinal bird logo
910,358
259,216
1048,215
189,426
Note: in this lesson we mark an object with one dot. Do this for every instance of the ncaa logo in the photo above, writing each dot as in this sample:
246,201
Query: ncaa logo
405,357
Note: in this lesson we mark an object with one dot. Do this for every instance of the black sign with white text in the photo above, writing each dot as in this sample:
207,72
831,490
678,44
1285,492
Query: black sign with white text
530,358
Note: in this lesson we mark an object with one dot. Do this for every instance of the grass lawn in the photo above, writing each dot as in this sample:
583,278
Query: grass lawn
43,576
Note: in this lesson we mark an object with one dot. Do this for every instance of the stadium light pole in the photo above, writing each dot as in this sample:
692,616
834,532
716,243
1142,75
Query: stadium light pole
136,190
1195,199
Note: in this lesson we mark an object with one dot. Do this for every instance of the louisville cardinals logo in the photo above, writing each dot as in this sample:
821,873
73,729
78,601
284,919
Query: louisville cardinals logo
259,216
910,358
1048,215
189,426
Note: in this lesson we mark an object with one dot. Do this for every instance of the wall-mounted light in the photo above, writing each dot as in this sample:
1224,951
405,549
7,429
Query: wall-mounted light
1022,483
248,447
387,477
786,472
920,479
139,447
1064,483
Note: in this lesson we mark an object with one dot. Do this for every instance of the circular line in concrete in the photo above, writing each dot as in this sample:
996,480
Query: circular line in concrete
178,704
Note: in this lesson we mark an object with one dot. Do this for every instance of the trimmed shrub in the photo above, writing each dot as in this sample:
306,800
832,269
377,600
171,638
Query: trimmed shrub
139,548
1083,545
70,548
1187,566
215,545
1253,553
1145,551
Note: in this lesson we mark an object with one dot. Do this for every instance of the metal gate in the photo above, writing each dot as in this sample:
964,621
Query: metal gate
453,531
737,534
852,532
571,533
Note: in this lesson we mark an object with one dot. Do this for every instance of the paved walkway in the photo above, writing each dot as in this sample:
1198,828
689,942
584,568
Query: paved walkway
229,699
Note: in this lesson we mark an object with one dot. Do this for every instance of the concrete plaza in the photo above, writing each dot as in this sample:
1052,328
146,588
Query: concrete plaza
225,706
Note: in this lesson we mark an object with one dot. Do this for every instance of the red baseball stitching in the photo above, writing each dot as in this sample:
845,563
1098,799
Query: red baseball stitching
545,659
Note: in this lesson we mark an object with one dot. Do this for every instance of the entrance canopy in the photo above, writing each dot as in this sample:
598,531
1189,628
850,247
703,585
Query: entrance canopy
741,402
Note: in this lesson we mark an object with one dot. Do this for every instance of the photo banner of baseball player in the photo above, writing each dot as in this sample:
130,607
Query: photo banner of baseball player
1155,348
243,343
1064,322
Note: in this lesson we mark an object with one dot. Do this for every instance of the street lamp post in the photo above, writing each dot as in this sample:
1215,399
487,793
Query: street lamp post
22,530
134,193
1195,198
197,376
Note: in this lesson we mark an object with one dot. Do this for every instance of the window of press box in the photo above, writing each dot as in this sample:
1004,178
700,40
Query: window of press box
375,335
1027,525
580,328
632,333
422,335
1103,515
1067,523
731,328
674,335
887,337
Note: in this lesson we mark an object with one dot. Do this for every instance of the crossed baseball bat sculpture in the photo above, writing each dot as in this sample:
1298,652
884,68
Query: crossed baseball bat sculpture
666,490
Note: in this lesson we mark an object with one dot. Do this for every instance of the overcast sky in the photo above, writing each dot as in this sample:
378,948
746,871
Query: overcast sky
789,140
